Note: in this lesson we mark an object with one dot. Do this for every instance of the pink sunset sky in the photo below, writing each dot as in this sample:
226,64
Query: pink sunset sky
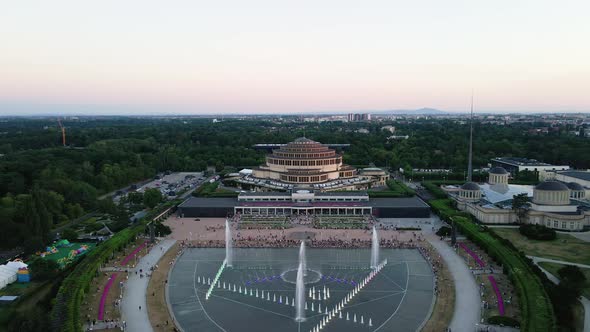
272,56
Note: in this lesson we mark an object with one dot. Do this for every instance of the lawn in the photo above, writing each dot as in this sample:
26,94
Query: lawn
18,289
553,267
565,247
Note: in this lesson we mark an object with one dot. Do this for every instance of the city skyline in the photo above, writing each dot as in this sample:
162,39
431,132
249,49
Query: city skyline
262,57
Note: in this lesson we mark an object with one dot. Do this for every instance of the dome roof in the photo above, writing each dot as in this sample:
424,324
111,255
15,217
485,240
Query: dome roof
470,186
575,186
497,170
303,140
552,186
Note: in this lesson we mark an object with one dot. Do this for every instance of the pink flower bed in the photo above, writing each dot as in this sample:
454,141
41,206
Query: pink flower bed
132,254
472,254
498,295
103,297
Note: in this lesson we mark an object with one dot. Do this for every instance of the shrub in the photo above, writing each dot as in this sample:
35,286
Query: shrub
503,320
444,231
572,274
537,232
43,269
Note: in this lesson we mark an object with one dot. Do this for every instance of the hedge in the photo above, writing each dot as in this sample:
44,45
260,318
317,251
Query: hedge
537,232
434,189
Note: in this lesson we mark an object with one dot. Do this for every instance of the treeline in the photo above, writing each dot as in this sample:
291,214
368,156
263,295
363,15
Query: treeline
104,154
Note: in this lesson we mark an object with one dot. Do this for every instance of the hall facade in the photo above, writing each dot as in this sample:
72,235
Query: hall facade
308,164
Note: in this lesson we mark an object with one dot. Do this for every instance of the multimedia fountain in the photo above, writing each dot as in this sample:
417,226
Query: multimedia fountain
228,245
374,249
300,289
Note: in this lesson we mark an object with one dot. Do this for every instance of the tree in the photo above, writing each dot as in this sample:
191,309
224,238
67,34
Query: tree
74,210
135,198
33,243
151,197
571,275
69,234
43,269
521,205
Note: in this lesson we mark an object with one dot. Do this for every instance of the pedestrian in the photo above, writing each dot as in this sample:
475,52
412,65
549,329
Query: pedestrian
139,308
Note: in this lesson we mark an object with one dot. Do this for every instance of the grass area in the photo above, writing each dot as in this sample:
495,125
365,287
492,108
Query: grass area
394,189
565,247
554,267
156,302
18,289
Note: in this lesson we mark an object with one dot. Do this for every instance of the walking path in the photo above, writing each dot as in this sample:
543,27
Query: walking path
134,294
549,260
467,299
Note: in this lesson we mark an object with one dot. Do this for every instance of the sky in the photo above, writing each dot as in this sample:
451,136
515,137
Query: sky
275,56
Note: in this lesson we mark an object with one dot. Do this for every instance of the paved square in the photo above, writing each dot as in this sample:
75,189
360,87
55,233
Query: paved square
398,298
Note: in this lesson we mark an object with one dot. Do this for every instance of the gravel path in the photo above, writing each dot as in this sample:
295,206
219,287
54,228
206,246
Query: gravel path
134,294
467,298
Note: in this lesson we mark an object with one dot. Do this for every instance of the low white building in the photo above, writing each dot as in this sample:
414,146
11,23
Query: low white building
514,165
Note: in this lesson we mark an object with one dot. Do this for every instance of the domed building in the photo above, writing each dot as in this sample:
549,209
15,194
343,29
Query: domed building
551,193
470,191
498,175
576,190
551,203
305,163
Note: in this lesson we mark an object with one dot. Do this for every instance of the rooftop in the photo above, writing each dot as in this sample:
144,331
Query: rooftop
582,175
498,170
515,161
552,186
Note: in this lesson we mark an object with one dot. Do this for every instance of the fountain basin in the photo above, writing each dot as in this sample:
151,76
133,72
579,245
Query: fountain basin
310,276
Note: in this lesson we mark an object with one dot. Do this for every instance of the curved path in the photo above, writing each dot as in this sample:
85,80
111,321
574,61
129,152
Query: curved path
549,260
135,290
467,299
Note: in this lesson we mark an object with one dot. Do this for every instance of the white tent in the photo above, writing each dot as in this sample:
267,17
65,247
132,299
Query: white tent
7,276
15,265
8,273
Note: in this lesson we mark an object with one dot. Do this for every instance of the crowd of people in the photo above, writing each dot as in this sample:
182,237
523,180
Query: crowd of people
275,241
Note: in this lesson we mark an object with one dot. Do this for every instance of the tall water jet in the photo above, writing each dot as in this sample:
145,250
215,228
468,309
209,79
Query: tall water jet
228,246
302,259
374,249
300,295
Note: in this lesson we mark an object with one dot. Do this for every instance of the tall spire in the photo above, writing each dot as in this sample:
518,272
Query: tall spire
470,162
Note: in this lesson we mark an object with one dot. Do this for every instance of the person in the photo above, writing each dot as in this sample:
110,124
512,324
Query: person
140,308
